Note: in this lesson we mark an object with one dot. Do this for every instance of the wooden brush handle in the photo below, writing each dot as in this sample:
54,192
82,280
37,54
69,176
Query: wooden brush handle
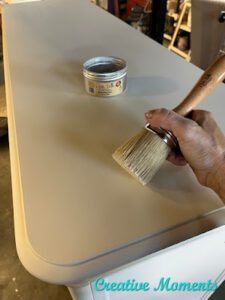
213,75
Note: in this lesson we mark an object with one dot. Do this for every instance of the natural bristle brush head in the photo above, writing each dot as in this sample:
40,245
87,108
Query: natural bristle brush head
143,154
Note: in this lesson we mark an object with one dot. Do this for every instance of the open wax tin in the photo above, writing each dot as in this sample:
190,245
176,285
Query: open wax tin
105,76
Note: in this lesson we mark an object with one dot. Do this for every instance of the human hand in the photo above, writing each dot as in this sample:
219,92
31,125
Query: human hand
201,142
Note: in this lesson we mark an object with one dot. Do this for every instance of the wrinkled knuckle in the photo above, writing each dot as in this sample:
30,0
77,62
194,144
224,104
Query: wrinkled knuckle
187,126
167,114
163,112
189,129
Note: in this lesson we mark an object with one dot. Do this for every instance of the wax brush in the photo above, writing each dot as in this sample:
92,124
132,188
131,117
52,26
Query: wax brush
143,154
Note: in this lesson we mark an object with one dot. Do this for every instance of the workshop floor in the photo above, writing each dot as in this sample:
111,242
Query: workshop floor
15,281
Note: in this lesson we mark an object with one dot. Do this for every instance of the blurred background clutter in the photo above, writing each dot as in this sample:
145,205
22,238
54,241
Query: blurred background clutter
183,26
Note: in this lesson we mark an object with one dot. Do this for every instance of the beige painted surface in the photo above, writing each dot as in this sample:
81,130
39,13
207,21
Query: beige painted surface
77,203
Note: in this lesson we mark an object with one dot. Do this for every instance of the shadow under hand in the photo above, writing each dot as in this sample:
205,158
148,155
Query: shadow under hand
171,177
180,185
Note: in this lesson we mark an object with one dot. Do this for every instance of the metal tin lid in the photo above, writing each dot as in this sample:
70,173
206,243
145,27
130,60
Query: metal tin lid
105,68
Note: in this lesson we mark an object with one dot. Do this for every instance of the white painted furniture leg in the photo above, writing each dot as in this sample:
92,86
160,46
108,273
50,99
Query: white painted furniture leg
81,293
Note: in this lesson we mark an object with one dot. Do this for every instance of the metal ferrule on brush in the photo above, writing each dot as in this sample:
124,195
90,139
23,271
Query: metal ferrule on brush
166,135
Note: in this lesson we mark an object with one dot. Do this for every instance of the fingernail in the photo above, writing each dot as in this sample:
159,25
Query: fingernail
148,115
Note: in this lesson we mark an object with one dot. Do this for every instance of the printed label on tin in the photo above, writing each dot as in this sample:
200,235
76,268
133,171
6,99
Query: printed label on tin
109,88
